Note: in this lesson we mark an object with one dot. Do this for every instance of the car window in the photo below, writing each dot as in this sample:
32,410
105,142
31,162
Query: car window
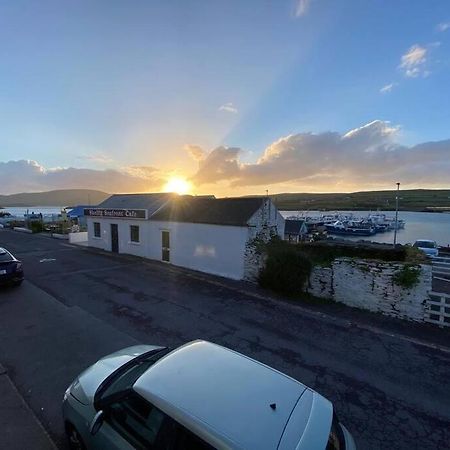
185,440
425,244
146,426
137,421
336,440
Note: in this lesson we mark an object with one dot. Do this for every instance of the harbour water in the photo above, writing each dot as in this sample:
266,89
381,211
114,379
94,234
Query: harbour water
19,211
419,225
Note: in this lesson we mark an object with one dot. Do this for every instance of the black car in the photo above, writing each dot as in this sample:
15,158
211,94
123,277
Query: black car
11,270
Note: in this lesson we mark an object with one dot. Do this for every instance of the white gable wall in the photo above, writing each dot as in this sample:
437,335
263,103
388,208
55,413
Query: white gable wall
268,215
215,249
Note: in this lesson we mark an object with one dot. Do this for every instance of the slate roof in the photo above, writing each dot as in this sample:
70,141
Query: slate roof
292,226
216,211
78,211
150,202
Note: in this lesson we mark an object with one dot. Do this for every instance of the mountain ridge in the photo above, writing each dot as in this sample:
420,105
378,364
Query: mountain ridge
409,200
60,197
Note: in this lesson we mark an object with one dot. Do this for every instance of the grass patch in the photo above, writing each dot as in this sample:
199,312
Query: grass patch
407,277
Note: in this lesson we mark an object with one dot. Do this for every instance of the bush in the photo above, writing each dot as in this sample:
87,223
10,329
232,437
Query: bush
407,277
286,269
37,227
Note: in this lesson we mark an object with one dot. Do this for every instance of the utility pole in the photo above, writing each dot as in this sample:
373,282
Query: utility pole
396,215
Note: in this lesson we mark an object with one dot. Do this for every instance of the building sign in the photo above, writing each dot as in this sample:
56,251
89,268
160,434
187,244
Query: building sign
116,213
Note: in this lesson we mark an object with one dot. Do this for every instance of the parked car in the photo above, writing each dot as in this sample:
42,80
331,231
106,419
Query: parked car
430,248
200,396
11,269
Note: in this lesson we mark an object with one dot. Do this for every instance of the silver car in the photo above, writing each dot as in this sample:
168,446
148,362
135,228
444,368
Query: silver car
198,396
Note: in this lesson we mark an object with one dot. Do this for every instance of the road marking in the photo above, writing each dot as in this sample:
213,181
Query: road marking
47,260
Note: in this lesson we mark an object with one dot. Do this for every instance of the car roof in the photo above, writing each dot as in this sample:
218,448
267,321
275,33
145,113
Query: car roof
228,399
426,240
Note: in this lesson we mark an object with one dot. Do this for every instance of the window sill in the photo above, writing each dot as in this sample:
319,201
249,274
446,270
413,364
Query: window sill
134,243
97,237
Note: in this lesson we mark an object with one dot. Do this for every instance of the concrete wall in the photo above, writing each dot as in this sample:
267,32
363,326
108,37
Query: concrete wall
125,244
208,248
369,285
81,236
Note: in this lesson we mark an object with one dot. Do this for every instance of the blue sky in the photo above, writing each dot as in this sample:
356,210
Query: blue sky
117,85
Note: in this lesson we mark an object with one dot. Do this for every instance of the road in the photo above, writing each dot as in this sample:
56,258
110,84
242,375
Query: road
78,304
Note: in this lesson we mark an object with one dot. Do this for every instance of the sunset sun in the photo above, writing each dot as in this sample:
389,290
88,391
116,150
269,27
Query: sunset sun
178,185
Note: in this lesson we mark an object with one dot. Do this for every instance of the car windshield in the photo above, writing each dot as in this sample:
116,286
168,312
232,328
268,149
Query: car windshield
336,440
5,256
123,379
425,244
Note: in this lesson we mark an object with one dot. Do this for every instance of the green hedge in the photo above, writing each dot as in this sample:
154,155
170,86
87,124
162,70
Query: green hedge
286,269
37,227
323,253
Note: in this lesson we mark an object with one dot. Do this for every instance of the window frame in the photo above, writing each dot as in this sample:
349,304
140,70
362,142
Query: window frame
99,234
165,249
135,227
170,433
130,434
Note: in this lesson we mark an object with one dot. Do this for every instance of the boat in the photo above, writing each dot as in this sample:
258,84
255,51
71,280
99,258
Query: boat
351,229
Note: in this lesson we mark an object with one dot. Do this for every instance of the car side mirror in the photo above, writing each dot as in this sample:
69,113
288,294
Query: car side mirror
97,422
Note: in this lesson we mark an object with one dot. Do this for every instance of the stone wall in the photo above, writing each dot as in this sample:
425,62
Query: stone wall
265,224
368,284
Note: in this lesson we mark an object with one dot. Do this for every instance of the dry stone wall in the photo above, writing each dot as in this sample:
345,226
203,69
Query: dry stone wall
370,285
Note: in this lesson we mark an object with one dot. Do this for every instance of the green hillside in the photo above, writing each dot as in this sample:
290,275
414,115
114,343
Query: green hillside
66,197
409,200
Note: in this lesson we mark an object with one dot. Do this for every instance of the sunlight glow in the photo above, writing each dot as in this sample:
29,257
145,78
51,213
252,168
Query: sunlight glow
178,185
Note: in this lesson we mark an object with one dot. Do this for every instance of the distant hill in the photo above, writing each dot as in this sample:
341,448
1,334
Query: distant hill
409,200
66,197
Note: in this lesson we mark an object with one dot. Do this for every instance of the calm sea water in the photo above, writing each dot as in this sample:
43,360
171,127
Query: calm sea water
419,225
21,210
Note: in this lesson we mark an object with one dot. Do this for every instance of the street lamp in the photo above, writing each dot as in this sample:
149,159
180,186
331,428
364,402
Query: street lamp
396,215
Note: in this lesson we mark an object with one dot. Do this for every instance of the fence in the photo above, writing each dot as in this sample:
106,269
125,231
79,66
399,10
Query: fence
437,310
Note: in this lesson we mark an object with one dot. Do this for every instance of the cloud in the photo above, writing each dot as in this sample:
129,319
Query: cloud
413,60
444,26
388,88
302,7
228,107
30,176
100,158
367,155
195,152
219,164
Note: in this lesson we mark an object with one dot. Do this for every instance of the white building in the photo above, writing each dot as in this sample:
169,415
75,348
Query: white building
206,234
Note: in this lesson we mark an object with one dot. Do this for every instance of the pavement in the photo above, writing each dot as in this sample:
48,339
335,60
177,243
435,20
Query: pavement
18,423
389,380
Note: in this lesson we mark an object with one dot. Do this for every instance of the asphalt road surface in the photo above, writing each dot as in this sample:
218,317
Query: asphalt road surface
78,305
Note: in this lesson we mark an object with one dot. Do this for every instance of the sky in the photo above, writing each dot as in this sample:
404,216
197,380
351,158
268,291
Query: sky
233,97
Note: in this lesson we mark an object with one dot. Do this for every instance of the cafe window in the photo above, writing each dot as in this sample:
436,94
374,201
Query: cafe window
97,229
134,233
